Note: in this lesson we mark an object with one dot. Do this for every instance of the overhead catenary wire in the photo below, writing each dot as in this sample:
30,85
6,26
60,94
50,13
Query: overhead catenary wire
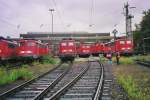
6,21
58,12
91,12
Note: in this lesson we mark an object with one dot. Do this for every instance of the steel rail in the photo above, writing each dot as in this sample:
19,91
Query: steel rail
67,86
40,95
86,86
145,63
98,92
18,88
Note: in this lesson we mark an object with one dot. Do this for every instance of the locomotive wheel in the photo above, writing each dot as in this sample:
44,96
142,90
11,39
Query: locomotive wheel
95,54
66,59
84,56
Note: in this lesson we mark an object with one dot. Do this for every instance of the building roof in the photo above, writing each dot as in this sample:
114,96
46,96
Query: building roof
62,34
57,36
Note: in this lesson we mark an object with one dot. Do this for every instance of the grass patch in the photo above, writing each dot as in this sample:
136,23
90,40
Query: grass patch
124,60
25,66
13,75
103,59
136,85
143,57
47,60
130,87
35,63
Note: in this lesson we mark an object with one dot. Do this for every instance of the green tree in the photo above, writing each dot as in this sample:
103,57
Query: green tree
142,30
145,24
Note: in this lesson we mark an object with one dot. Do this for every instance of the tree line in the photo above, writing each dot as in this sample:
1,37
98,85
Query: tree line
141,35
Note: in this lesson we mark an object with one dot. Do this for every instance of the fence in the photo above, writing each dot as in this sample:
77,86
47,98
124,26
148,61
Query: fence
146,45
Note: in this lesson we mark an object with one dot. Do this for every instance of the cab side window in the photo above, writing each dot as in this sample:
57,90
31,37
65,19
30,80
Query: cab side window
122,42
11,45
21,44
70,43
31,44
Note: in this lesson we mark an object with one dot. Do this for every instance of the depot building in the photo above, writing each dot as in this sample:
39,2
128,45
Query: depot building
57,36
53,39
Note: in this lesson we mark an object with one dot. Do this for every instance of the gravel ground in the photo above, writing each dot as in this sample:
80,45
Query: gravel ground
37,69
115,90
118,92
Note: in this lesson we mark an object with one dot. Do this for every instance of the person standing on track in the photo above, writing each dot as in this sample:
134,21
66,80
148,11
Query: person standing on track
117,57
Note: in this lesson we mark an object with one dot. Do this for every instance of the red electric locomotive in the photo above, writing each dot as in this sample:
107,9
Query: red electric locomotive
124,46
107,48
84,50
7,49
67,50
97,48
31,49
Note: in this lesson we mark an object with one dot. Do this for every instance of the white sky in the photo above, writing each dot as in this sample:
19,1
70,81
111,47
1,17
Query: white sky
21,16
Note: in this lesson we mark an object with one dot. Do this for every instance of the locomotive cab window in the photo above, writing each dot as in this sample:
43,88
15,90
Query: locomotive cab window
21,44
42,46
11,45
87,46
122,42
63,44
128,42
70,43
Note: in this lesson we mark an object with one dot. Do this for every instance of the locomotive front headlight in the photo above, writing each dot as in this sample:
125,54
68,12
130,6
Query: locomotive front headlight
122,48
70,50
28,51
0,51
21,51
85,50
87,46
128,48
63,50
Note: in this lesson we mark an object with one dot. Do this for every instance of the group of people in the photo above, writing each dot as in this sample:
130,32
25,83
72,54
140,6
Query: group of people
109,57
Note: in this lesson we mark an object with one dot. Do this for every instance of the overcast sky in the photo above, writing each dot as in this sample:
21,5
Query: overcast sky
21,16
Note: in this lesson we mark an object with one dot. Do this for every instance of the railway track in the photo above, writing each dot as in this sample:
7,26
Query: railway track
35,88
73,75
107,84
145,63
88,87
80,82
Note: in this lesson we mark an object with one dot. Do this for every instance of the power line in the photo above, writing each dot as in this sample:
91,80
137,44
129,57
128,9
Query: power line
58,12
91,12
7,22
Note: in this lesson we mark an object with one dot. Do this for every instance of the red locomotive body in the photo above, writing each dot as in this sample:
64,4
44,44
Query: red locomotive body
84,50
43,49
124,46
31,48
107,48
67,49
97,49
7,49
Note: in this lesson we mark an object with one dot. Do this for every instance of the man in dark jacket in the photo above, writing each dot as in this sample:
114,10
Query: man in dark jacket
117,57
